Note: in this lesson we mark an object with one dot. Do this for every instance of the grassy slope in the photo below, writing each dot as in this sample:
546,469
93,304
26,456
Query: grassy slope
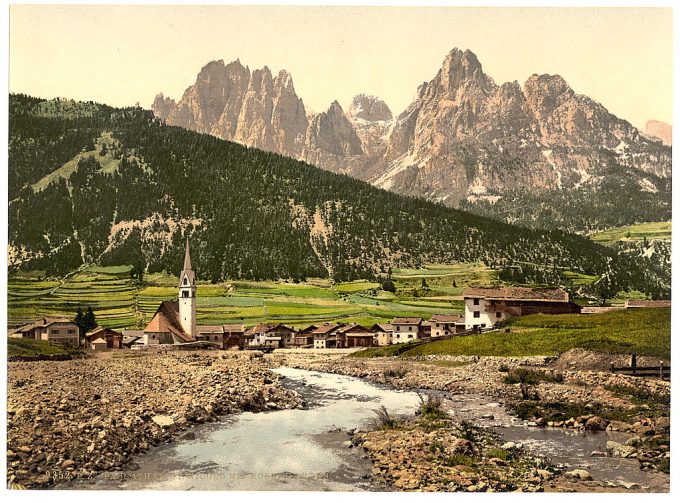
30,347
643,331
121,302
649,230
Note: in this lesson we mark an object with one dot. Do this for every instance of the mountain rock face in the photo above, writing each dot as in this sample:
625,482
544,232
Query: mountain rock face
465,141
116,187
660,130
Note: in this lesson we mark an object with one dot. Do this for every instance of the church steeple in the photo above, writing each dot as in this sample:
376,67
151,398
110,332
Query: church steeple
187,258
187,295
187,276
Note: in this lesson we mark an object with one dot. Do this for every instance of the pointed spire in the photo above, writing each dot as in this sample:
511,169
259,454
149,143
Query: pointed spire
187,258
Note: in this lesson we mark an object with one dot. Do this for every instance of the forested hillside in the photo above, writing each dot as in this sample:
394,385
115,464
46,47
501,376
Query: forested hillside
90,183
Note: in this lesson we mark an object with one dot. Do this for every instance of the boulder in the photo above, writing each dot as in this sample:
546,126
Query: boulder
620,450
163,421
580,474
596,423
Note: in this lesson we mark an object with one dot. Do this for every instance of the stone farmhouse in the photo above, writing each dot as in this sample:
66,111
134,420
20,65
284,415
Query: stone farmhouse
112,338
443,325
406,329
486,306
53,329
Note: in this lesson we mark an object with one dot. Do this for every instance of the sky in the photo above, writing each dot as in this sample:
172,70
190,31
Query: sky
122,55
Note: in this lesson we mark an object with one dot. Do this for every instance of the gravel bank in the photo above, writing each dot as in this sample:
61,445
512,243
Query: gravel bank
80,417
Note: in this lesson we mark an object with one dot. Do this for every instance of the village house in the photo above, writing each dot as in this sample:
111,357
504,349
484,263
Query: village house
112,338
232,336
132,338
98,344
305,337
406,329
210,333
355,336
326,336
382,333
277,336
443,325
486,306
53,329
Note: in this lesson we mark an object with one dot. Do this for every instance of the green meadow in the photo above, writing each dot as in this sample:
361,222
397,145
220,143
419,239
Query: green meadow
641,331
638,232
120,301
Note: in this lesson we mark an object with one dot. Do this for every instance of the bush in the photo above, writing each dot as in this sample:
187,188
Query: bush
432,407
498,453
398,372
384,421
526,376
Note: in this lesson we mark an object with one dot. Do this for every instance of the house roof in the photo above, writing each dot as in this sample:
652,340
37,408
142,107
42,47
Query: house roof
446,318
42,322
166,319
209,329
326,328
308,330
234,328
648,303
517,293
382,327
100,329
355,328
257,329
407,321
99,341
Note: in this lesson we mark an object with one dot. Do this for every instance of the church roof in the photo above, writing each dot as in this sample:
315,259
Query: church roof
166,320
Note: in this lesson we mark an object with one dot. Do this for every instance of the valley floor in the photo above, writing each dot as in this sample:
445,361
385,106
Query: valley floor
77,418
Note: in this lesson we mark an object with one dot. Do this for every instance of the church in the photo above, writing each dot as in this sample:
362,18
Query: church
174,322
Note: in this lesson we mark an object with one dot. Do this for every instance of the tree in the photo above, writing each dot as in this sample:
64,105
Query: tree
423,284
87,320
388,285
80,321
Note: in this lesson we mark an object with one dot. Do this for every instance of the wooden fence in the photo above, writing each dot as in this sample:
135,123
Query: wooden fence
660,371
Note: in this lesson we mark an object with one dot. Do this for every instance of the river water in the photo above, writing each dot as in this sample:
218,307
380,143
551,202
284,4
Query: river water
305,449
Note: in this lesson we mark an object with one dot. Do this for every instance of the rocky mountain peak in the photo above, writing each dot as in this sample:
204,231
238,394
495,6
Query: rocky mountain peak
162,106
459,67
332,132
369,108
660,130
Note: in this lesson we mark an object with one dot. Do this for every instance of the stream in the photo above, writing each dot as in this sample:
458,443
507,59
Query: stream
306,449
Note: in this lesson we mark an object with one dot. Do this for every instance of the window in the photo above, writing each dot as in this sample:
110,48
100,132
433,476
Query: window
475,302
498,314
186,282
483,325
71,331
475,314
54,332
410,336
185,293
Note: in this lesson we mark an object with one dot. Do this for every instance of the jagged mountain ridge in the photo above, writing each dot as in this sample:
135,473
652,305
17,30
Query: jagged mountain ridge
464,141
136,188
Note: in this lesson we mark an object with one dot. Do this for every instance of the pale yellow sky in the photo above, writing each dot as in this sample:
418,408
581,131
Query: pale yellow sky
120,55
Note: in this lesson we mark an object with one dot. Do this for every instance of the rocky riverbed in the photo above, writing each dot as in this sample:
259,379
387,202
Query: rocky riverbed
545,392
73,419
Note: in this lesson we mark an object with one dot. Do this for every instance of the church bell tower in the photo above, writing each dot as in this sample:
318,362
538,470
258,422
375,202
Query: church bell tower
187,296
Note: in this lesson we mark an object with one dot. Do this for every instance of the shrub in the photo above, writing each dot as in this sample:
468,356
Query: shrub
384,421
432,407
498,453
521,375
398,372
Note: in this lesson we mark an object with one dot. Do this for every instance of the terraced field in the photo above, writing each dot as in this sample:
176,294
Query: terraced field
638,232
120,301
